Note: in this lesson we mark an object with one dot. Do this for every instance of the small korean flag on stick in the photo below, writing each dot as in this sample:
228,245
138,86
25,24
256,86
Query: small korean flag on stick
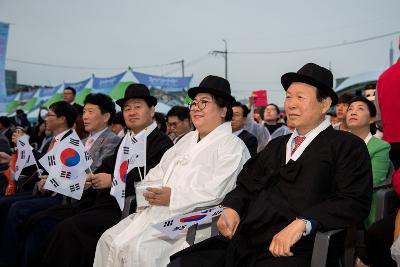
66,164
25,156
131,154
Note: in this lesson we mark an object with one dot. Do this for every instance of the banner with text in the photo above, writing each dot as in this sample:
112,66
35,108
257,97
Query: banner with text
78,86
3,49
168,84
48,92
104,85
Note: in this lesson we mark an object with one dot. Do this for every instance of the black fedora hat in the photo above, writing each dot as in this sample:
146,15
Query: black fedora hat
137,90
214,85
314,75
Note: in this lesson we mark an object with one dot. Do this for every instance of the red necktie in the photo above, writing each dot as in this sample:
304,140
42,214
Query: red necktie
53,141
297,142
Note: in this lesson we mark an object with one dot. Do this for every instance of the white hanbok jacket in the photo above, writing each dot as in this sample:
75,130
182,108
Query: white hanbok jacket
199,174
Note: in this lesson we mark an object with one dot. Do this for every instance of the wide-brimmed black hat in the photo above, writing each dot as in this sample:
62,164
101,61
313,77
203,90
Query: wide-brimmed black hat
137,90
214,85
314,75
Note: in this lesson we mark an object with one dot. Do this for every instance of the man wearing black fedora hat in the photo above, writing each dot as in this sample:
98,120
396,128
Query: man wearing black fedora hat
299,184
73,241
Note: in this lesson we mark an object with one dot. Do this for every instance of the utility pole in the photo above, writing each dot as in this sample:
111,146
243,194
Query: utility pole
183,67
225,53
226,58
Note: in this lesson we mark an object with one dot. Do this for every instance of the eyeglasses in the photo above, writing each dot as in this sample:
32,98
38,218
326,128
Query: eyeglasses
201,104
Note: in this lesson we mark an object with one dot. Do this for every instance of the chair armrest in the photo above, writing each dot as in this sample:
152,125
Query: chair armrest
383,197
191,233
127,206
321,247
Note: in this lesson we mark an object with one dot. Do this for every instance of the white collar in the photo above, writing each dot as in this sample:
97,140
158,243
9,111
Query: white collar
97,134
238,132
309,138
61,135
146,130
368,138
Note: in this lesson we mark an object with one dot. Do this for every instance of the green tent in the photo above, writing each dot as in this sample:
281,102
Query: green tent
80,97
55,98
12,106
29,105
118,91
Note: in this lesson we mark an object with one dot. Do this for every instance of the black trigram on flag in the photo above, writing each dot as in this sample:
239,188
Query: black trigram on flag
123,193
168,223
52,160
134,140
87,156
74,142
54,182
65,174
114,181
23,154
74,187
21,143
126,150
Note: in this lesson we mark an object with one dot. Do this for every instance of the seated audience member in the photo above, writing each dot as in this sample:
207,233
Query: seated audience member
69,94
178,120
118,125
16,209
5,128
72,242
341,110
20,119
380,236
360,115
299,184
4,144
38,135
98,112
159,118
210,152
240,113
267,129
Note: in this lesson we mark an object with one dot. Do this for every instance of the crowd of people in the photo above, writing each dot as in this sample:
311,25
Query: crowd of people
280,177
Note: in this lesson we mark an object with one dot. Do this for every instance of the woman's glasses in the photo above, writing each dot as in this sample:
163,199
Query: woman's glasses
201,104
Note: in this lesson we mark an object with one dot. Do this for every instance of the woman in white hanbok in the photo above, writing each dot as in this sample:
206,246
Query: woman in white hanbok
198,171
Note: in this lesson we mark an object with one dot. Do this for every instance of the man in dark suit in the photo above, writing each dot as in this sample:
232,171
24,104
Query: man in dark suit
240,113
178,121
5,128
20,119
98,113
69,94
16,209
73,241
314,179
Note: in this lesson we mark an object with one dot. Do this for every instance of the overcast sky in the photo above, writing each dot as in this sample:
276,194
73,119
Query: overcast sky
120,33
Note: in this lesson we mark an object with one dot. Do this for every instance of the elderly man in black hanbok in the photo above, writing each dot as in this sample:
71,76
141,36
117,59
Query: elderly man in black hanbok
315,179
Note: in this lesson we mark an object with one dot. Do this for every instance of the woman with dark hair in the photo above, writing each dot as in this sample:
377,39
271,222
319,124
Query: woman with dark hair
197,171
360,115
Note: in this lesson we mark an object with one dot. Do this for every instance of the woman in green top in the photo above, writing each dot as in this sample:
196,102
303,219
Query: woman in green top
360,115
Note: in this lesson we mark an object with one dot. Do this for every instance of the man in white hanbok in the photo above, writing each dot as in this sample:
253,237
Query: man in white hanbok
198,171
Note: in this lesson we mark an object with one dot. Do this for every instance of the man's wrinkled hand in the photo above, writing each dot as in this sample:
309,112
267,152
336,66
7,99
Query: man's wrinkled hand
286,238
228,222
101,180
